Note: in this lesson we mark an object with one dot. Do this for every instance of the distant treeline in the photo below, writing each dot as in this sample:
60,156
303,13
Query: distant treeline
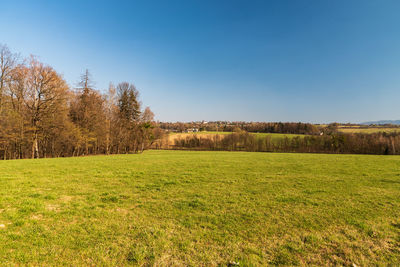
254,127
338,143
41,116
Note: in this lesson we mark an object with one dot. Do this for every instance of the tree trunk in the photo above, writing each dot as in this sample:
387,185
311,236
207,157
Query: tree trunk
35,147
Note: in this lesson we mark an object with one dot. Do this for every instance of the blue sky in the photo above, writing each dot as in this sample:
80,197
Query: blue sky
311,61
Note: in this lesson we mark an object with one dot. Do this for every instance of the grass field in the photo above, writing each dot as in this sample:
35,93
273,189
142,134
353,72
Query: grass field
276,136
369,130
205,134
201,208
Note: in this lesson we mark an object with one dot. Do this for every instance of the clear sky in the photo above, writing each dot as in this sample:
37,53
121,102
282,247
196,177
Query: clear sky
310,61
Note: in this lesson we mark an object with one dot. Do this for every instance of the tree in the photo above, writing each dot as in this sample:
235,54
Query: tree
147,115
88,113
41,117
8,61
17,112
129,106
128,116
147,129
45,92
110,113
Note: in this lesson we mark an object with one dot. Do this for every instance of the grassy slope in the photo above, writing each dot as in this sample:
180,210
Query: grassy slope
201,208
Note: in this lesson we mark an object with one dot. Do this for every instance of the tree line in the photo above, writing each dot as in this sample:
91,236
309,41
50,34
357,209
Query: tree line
41,116
338,143
255,127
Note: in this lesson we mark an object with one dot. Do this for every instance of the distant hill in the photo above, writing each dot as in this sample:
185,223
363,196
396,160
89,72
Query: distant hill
397,122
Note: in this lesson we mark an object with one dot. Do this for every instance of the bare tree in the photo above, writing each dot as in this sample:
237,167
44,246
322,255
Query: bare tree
45,90
41,117
86,83
147,115
110,112
8,61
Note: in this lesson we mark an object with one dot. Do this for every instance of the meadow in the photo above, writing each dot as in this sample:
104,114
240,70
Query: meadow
369,130
210,134
201,209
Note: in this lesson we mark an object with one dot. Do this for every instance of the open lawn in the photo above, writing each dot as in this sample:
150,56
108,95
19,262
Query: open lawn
201,208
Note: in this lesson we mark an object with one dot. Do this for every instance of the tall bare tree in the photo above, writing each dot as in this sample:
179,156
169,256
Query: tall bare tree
45,92
8,61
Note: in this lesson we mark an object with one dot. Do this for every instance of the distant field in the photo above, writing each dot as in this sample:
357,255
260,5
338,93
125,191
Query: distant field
274,136
202,132
369,130
201,208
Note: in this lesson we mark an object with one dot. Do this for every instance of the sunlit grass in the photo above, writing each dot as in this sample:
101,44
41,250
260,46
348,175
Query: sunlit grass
201,208
369,130
205,134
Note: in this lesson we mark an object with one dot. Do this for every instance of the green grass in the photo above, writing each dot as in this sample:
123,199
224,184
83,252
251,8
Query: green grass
277,136
202,132
274,136
201,208
369,130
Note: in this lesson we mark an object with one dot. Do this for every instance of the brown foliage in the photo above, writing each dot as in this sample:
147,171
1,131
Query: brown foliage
41,117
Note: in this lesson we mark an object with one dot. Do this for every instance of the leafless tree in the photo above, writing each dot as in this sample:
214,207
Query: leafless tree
8,61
